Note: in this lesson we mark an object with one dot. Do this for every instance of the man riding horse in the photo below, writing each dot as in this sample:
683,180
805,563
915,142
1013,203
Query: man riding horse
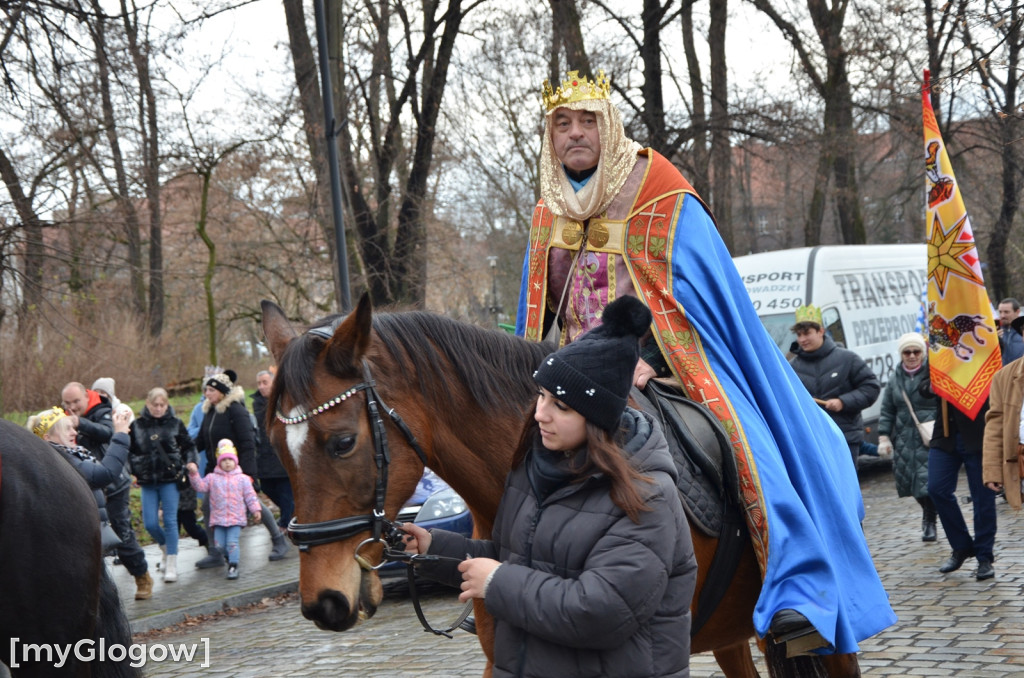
616,219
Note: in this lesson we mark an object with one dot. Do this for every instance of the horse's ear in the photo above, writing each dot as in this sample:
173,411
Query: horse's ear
352,338
277,329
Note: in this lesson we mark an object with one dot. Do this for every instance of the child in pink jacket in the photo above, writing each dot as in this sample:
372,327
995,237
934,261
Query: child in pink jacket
230,491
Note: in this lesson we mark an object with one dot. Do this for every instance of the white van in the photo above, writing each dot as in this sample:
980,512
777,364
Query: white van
869,295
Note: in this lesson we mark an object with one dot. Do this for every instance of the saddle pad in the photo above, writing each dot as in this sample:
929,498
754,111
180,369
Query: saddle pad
700,451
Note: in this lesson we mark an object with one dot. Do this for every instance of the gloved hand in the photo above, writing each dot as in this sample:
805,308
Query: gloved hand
884,446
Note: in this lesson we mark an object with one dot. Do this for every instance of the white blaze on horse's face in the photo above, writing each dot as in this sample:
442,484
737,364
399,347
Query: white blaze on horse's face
296,434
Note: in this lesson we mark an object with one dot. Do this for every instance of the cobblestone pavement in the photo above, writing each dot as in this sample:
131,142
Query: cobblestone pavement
949,625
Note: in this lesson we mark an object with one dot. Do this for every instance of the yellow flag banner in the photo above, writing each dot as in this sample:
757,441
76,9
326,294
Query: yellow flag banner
963,348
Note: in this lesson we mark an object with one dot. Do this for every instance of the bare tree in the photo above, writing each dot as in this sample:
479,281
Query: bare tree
999,71
567,39
139,49
838,137
379,90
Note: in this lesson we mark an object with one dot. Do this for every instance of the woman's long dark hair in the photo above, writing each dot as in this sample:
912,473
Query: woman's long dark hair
604,454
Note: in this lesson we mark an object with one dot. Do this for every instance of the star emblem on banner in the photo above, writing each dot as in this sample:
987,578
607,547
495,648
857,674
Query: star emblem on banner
946,255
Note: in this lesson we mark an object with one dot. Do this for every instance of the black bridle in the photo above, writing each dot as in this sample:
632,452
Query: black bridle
307,535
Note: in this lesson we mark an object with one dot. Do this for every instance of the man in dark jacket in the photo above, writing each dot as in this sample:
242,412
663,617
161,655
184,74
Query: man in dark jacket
91,414
838,379
273,478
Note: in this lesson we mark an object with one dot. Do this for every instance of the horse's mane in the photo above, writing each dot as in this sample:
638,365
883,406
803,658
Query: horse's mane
494,367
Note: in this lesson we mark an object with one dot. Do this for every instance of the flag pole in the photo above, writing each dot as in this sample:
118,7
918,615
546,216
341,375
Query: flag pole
331,134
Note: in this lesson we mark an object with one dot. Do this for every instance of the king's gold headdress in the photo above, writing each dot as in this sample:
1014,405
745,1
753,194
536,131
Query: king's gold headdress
809,314
47,420
574,88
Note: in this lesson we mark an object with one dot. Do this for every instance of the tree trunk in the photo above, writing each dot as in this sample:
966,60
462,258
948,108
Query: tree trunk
698,118
721,148
838,128
565,21
411,236
150,133
998,275
653,114
816,210
211,264
32,274
133,237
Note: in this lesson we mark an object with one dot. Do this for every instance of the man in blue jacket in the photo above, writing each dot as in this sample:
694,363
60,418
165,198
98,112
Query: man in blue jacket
838,379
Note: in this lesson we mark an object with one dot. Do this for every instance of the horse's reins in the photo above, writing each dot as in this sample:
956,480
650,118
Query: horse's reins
384,531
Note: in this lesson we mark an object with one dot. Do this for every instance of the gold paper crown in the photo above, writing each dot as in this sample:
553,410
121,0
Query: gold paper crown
575,88
47,420
809,314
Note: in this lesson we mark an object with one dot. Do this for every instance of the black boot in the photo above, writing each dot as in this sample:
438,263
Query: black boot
985,570
956,559
928,530
928,520
792,628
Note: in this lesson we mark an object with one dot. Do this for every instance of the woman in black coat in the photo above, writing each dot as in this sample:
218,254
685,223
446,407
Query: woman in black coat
160,448
590,569
225,416
897,433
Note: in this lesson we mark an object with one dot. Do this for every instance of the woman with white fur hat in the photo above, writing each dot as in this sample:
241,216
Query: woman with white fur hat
898,435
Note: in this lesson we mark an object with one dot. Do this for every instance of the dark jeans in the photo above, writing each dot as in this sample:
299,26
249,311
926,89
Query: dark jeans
280,492
130,553
943,472
187,521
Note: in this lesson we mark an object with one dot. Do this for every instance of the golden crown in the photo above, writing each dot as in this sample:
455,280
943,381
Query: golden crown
575,88
47,420
809,314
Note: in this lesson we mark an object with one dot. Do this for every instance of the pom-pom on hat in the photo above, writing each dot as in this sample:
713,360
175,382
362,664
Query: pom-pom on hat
593,375
911,340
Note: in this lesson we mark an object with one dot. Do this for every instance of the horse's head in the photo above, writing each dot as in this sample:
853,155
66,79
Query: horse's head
324,420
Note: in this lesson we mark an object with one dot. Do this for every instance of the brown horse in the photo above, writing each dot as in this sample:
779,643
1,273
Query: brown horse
361,403
54,587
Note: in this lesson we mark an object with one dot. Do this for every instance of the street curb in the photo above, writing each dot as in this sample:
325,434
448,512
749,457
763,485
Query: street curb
167,618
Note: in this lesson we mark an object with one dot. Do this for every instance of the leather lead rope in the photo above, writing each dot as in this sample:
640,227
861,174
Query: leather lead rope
410,559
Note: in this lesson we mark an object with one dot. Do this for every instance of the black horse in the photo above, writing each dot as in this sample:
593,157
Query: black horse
54,587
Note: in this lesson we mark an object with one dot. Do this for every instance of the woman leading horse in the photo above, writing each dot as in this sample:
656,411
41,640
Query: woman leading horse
360,404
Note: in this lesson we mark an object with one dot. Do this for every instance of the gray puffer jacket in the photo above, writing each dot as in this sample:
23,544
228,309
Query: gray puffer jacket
910,453
583,591
836,372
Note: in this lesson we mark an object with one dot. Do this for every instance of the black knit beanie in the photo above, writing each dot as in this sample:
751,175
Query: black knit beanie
593,375
222,382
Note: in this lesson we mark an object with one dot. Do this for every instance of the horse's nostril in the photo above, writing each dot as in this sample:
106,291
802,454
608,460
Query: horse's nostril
331,612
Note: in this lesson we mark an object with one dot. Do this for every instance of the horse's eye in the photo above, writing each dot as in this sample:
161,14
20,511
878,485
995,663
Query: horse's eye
342,446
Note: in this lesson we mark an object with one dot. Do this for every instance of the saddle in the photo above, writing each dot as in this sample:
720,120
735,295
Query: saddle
708,482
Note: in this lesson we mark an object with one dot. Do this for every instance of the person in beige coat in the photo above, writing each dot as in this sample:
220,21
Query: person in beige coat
1004,433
